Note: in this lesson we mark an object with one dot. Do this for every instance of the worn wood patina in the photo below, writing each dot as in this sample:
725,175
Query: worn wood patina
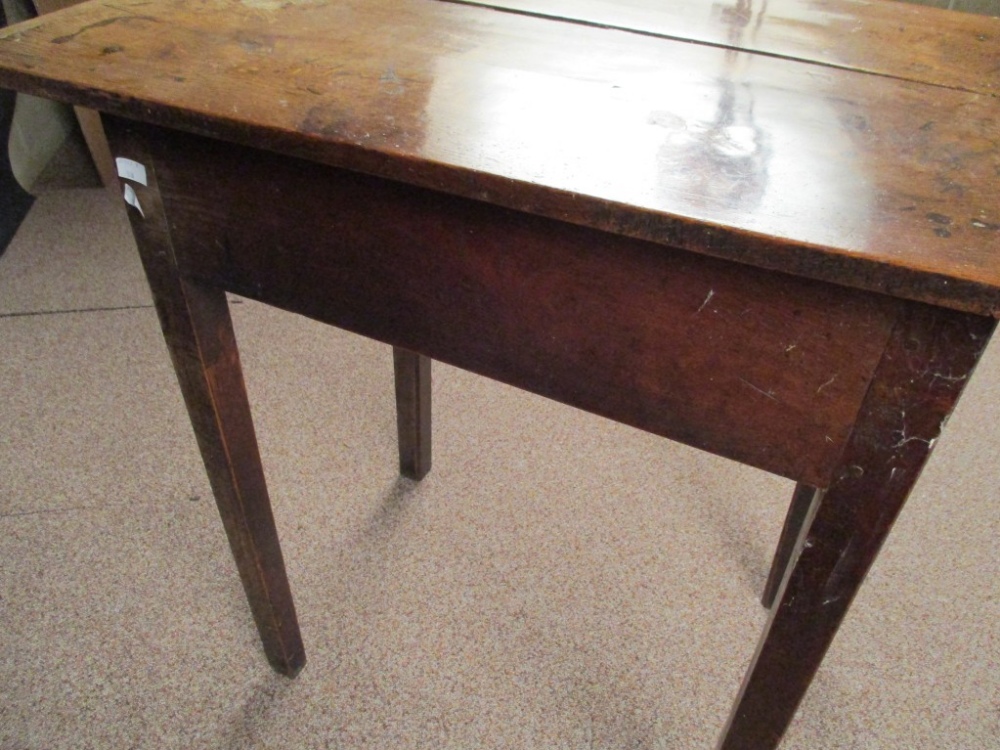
770,231
859,179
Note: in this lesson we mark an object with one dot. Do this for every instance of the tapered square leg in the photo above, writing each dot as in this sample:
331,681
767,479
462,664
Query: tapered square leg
927,361
413,412
199,335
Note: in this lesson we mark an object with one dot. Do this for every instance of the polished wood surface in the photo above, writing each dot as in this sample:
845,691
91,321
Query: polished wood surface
860,179
899,40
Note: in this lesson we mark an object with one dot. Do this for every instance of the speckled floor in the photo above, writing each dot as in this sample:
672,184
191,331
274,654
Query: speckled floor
558,581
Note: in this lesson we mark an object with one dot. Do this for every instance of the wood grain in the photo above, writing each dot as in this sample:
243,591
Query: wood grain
894,39
200,338
854,178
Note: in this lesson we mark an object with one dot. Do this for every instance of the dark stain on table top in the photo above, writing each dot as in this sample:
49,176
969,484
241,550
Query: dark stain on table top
772,137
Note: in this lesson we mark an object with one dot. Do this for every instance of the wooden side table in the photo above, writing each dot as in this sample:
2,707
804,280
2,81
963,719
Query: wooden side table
778,247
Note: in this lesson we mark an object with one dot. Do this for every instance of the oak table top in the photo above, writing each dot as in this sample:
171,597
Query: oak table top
845,141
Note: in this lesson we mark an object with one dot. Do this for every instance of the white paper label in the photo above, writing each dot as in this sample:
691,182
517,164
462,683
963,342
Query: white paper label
131,170
133,200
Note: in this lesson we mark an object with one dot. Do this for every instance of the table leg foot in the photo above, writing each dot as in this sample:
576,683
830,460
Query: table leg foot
413,412
929,357
199,335
798,512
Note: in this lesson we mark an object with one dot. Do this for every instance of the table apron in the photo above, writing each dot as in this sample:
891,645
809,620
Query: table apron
753,365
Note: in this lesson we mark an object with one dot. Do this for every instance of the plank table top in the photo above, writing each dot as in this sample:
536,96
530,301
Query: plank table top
851,142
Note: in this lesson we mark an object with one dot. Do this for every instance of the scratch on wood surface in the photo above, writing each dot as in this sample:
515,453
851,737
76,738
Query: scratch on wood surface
828,382
711,293
904,439
834,585
99,24
761,391
948,378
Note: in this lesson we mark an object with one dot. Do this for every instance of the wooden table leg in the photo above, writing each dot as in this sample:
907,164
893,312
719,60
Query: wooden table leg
199,334
798,512
927,362
413,412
